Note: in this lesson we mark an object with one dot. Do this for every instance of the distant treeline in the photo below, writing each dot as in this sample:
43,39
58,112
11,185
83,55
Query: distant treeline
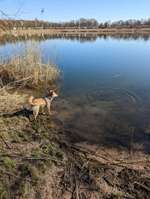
81,23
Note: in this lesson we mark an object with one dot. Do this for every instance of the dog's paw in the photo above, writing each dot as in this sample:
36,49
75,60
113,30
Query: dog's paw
31,118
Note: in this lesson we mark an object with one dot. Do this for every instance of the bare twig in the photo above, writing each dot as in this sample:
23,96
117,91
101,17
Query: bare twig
142,185
5,141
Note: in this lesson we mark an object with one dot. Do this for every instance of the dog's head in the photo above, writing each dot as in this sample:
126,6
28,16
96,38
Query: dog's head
52,94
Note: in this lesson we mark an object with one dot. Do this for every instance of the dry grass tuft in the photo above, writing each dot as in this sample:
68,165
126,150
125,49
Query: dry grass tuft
11,102
27,69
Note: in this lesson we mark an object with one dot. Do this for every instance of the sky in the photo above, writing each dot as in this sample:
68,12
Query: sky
65,10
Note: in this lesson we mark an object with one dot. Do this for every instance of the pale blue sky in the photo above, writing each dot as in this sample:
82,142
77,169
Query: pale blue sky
65,10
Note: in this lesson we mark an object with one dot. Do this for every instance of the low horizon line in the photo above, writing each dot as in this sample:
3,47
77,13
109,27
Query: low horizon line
77,19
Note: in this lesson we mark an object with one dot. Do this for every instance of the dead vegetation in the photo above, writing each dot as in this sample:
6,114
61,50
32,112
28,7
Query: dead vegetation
27,69
11,102
27,152
37,161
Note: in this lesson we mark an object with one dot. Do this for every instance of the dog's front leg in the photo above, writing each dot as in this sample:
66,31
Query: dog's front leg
35,111
42,110
49,107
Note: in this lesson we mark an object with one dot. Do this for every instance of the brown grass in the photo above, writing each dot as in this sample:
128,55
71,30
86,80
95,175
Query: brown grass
11,102
72,31
28,69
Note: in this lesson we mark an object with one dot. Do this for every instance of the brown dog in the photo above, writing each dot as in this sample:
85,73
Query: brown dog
36,103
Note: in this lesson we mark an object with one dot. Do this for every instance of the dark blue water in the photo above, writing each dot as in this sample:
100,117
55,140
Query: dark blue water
91,65
105,89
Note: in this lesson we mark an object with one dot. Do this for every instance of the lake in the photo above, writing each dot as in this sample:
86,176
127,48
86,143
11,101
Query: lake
104,94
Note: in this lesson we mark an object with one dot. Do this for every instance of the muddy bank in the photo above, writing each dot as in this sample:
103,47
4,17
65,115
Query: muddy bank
38,160
108,120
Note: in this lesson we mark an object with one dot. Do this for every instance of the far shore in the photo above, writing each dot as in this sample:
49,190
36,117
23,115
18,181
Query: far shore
72,31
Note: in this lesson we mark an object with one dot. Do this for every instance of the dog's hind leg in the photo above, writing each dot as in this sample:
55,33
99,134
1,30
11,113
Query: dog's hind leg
35,111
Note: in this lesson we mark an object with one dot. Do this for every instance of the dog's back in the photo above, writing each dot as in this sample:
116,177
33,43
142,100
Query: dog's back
36,101
30,100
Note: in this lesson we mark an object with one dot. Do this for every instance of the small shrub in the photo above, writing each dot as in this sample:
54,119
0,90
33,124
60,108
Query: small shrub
9,163
36,153
52,150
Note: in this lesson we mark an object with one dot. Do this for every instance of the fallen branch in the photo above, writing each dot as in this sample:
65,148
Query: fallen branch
142,185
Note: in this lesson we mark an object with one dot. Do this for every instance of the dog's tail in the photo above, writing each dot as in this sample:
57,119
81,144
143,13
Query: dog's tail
30,100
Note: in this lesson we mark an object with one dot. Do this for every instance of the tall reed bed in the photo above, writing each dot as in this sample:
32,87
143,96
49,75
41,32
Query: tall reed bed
27,68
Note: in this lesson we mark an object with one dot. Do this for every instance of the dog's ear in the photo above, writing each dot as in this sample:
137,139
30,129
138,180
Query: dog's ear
51,92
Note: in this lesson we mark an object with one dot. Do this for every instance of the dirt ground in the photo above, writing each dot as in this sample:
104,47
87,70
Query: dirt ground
38,160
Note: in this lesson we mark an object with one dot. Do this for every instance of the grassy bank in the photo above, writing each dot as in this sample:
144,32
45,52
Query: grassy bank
38,161
22,154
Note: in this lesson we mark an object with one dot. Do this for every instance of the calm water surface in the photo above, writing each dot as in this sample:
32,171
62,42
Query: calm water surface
105,91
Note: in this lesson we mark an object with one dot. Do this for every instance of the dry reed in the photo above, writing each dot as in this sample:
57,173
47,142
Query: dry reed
28,68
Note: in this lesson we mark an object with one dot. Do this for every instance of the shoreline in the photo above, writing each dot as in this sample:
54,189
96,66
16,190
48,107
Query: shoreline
79,34
72,31
41,157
